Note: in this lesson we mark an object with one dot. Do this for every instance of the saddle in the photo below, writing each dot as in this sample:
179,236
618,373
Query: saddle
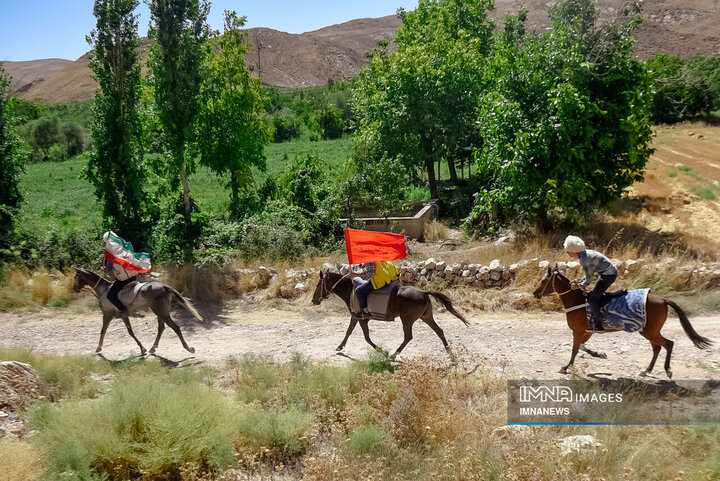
608,296
381,302
128,293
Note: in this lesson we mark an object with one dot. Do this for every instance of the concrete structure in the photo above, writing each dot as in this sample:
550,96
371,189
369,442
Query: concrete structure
412,221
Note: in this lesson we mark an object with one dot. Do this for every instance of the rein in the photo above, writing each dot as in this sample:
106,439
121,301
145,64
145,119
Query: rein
560,294
324,291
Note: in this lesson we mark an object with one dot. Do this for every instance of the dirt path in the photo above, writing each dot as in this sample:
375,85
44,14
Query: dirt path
514,343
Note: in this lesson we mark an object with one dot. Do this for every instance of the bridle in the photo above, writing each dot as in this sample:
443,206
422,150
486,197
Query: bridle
93,287
324,291
553,276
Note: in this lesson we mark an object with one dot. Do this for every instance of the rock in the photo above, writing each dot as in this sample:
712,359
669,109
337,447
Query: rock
505,432
544,264
19,385
430,264
495,275
495,265
440,266
574,444
299,287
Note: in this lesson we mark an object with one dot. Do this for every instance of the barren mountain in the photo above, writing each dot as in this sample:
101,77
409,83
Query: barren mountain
32,72
684,27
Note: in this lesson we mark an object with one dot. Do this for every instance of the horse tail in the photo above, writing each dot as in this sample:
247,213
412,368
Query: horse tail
699,341
186,303
448,305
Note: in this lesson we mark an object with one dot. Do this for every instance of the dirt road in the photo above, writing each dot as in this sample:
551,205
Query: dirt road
514,343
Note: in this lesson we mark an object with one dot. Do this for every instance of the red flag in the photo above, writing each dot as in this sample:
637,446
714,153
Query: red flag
365,246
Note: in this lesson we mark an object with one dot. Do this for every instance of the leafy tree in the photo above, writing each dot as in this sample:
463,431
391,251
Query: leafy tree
179,30
566,125
419,105
115,166
232,128
45,134
683,89
331,121
74,138
12,162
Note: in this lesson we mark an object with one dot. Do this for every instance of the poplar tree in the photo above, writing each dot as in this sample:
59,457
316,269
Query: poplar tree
179,30
12,161
115,167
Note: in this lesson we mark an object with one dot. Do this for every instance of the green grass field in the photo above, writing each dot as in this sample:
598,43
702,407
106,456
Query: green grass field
57,197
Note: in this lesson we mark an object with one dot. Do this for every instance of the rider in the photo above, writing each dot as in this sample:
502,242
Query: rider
593,263
124,263
377,274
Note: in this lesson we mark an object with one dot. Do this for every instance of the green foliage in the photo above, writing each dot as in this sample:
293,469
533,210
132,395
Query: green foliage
565,125
12,161
683,89
115,167
232,131
42,125
179,30
331,122
146,426
281,429
45,134
370,439
419,105
286,126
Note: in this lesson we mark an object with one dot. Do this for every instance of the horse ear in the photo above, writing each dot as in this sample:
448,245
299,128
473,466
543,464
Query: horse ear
549,270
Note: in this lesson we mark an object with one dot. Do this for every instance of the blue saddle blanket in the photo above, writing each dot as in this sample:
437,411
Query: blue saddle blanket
626,313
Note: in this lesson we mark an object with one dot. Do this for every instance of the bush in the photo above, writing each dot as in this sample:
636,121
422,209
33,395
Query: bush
286,128
145,427
280,429
57,153
368,440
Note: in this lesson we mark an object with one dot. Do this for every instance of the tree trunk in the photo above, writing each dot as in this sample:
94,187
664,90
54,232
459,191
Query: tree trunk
186,187
451,168
430,165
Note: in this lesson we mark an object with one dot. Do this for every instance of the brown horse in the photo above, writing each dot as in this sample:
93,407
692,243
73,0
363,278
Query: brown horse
656,309
155,295
410,304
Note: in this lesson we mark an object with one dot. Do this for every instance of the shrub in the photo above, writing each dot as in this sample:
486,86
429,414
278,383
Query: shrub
368,440
279,429
19,462
145,427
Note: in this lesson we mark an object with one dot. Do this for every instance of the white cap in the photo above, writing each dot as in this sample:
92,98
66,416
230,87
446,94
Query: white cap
574,244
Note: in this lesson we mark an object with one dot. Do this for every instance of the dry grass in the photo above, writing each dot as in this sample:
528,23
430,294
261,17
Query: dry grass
435,231
21,288
19,461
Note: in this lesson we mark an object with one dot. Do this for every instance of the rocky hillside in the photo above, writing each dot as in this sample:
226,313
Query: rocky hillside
684,27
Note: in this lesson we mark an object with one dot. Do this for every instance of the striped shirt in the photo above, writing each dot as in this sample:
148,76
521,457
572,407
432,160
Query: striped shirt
594,264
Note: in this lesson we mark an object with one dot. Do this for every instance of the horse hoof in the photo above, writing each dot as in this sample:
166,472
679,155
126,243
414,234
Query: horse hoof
191,349
563,370
98,349
152,350
602,355
393,356
669,373
339,348
644,373
143,351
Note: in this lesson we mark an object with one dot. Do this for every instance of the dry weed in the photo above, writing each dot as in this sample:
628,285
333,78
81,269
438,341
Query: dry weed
19,461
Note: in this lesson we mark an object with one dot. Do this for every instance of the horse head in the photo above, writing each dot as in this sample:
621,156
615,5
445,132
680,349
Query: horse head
552,281
84,277
319,289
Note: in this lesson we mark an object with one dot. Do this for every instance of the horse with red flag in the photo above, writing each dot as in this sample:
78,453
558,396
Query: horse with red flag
379,295
374,250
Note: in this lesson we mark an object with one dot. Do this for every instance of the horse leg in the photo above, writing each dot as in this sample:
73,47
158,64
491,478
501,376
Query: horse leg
587,335
668,350
351,327
106,322
161,328
132,334
407,330
577,337
656,351
176,328
433,325
366,332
